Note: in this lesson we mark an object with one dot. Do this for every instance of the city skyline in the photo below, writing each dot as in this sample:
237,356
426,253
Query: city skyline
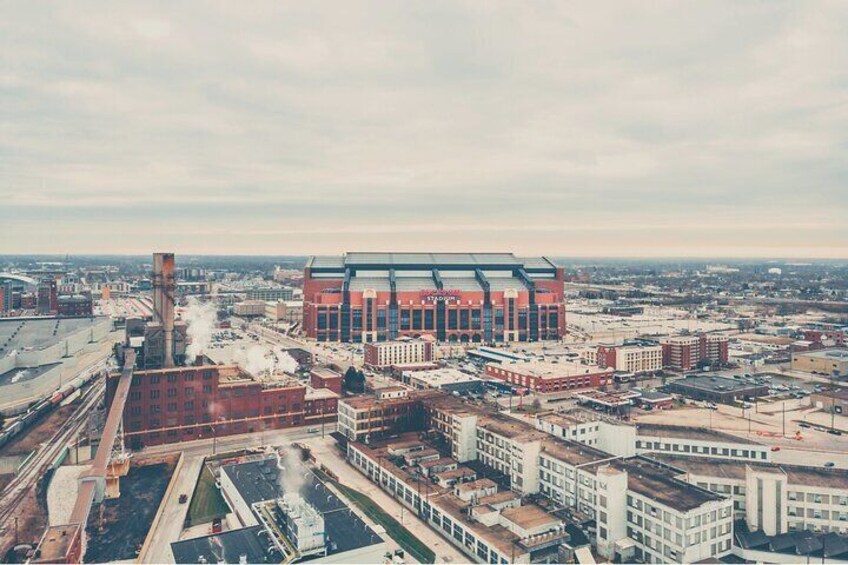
674,130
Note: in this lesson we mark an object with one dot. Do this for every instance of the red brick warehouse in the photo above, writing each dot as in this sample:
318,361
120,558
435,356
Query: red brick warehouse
455,297
187,403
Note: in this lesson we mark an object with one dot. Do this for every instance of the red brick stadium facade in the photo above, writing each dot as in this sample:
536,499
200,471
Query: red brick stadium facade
455,297
188,403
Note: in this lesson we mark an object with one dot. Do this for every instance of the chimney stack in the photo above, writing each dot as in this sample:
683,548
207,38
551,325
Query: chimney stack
164,290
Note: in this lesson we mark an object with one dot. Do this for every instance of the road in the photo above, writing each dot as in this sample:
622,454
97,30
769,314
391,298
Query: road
173,514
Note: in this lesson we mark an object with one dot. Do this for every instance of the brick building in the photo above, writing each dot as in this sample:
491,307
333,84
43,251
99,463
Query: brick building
323,377
454,297
75,305
187,403
686,351
399,352
631,358
550,377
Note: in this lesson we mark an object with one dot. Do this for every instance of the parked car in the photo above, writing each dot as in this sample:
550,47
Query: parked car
830,464
775,448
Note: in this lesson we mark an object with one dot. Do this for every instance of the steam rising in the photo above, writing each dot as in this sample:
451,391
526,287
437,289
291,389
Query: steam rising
201,318
259,361
292,471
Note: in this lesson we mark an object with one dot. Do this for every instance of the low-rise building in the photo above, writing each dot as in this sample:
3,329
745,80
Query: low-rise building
324,377
822,361
447,379
249,308
548,377
280,526
290,311
716,389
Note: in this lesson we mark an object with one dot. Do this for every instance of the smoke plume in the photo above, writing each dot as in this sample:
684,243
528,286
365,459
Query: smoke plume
256,360
201,318
292,471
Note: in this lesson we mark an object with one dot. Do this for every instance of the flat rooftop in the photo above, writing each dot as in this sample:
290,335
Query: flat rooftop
716,384
572,452
258,481
552,370
661,485
24,374
366,260
837,354
22,334
689,432
730,469
56,543
439,377
228,547
509,427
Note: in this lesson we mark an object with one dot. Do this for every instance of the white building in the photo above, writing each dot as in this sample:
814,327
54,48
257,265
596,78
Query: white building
774,498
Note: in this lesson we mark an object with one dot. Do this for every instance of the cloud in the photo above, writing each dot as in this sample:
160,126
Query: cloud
557,128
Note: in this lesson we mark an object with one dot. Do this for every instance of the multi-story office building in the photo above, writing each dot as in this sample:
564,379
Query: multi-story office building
270,294
454,297
686,352
631,358
547,377
47,296
399,352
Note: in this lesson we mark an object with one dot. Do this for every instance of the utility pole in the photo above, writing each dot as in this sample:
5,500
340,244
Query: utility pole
833,376
784,418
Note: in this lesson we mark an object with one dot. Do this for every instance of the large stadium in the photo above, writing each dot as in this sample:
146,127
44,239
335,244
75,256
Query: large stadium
454,297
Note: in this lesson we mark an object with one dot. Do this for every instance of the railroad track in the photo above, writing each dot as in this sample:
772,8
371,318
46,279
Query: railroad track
29,474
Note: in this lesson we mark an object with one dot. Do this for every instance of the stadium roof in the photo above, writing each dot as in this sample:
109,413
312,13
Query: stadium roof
369,261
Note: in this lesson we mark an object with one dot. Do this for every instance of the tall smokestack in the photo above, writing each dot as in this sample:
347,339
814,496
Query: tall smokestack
164,287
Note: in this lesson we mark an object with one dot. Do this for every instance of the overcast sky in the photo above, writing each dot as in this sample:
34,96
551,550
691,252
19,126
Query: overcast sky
560,128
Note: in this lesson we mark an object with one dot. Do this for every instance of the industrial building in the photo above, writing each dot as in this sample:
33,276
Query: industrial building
548,377
161,341
207,401
716,389
454,297
686,352
278,526
822,361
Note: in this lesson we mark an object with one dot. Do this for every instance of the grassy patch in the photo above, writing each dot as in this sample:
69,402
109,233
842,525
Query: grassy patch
411,544
207,503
